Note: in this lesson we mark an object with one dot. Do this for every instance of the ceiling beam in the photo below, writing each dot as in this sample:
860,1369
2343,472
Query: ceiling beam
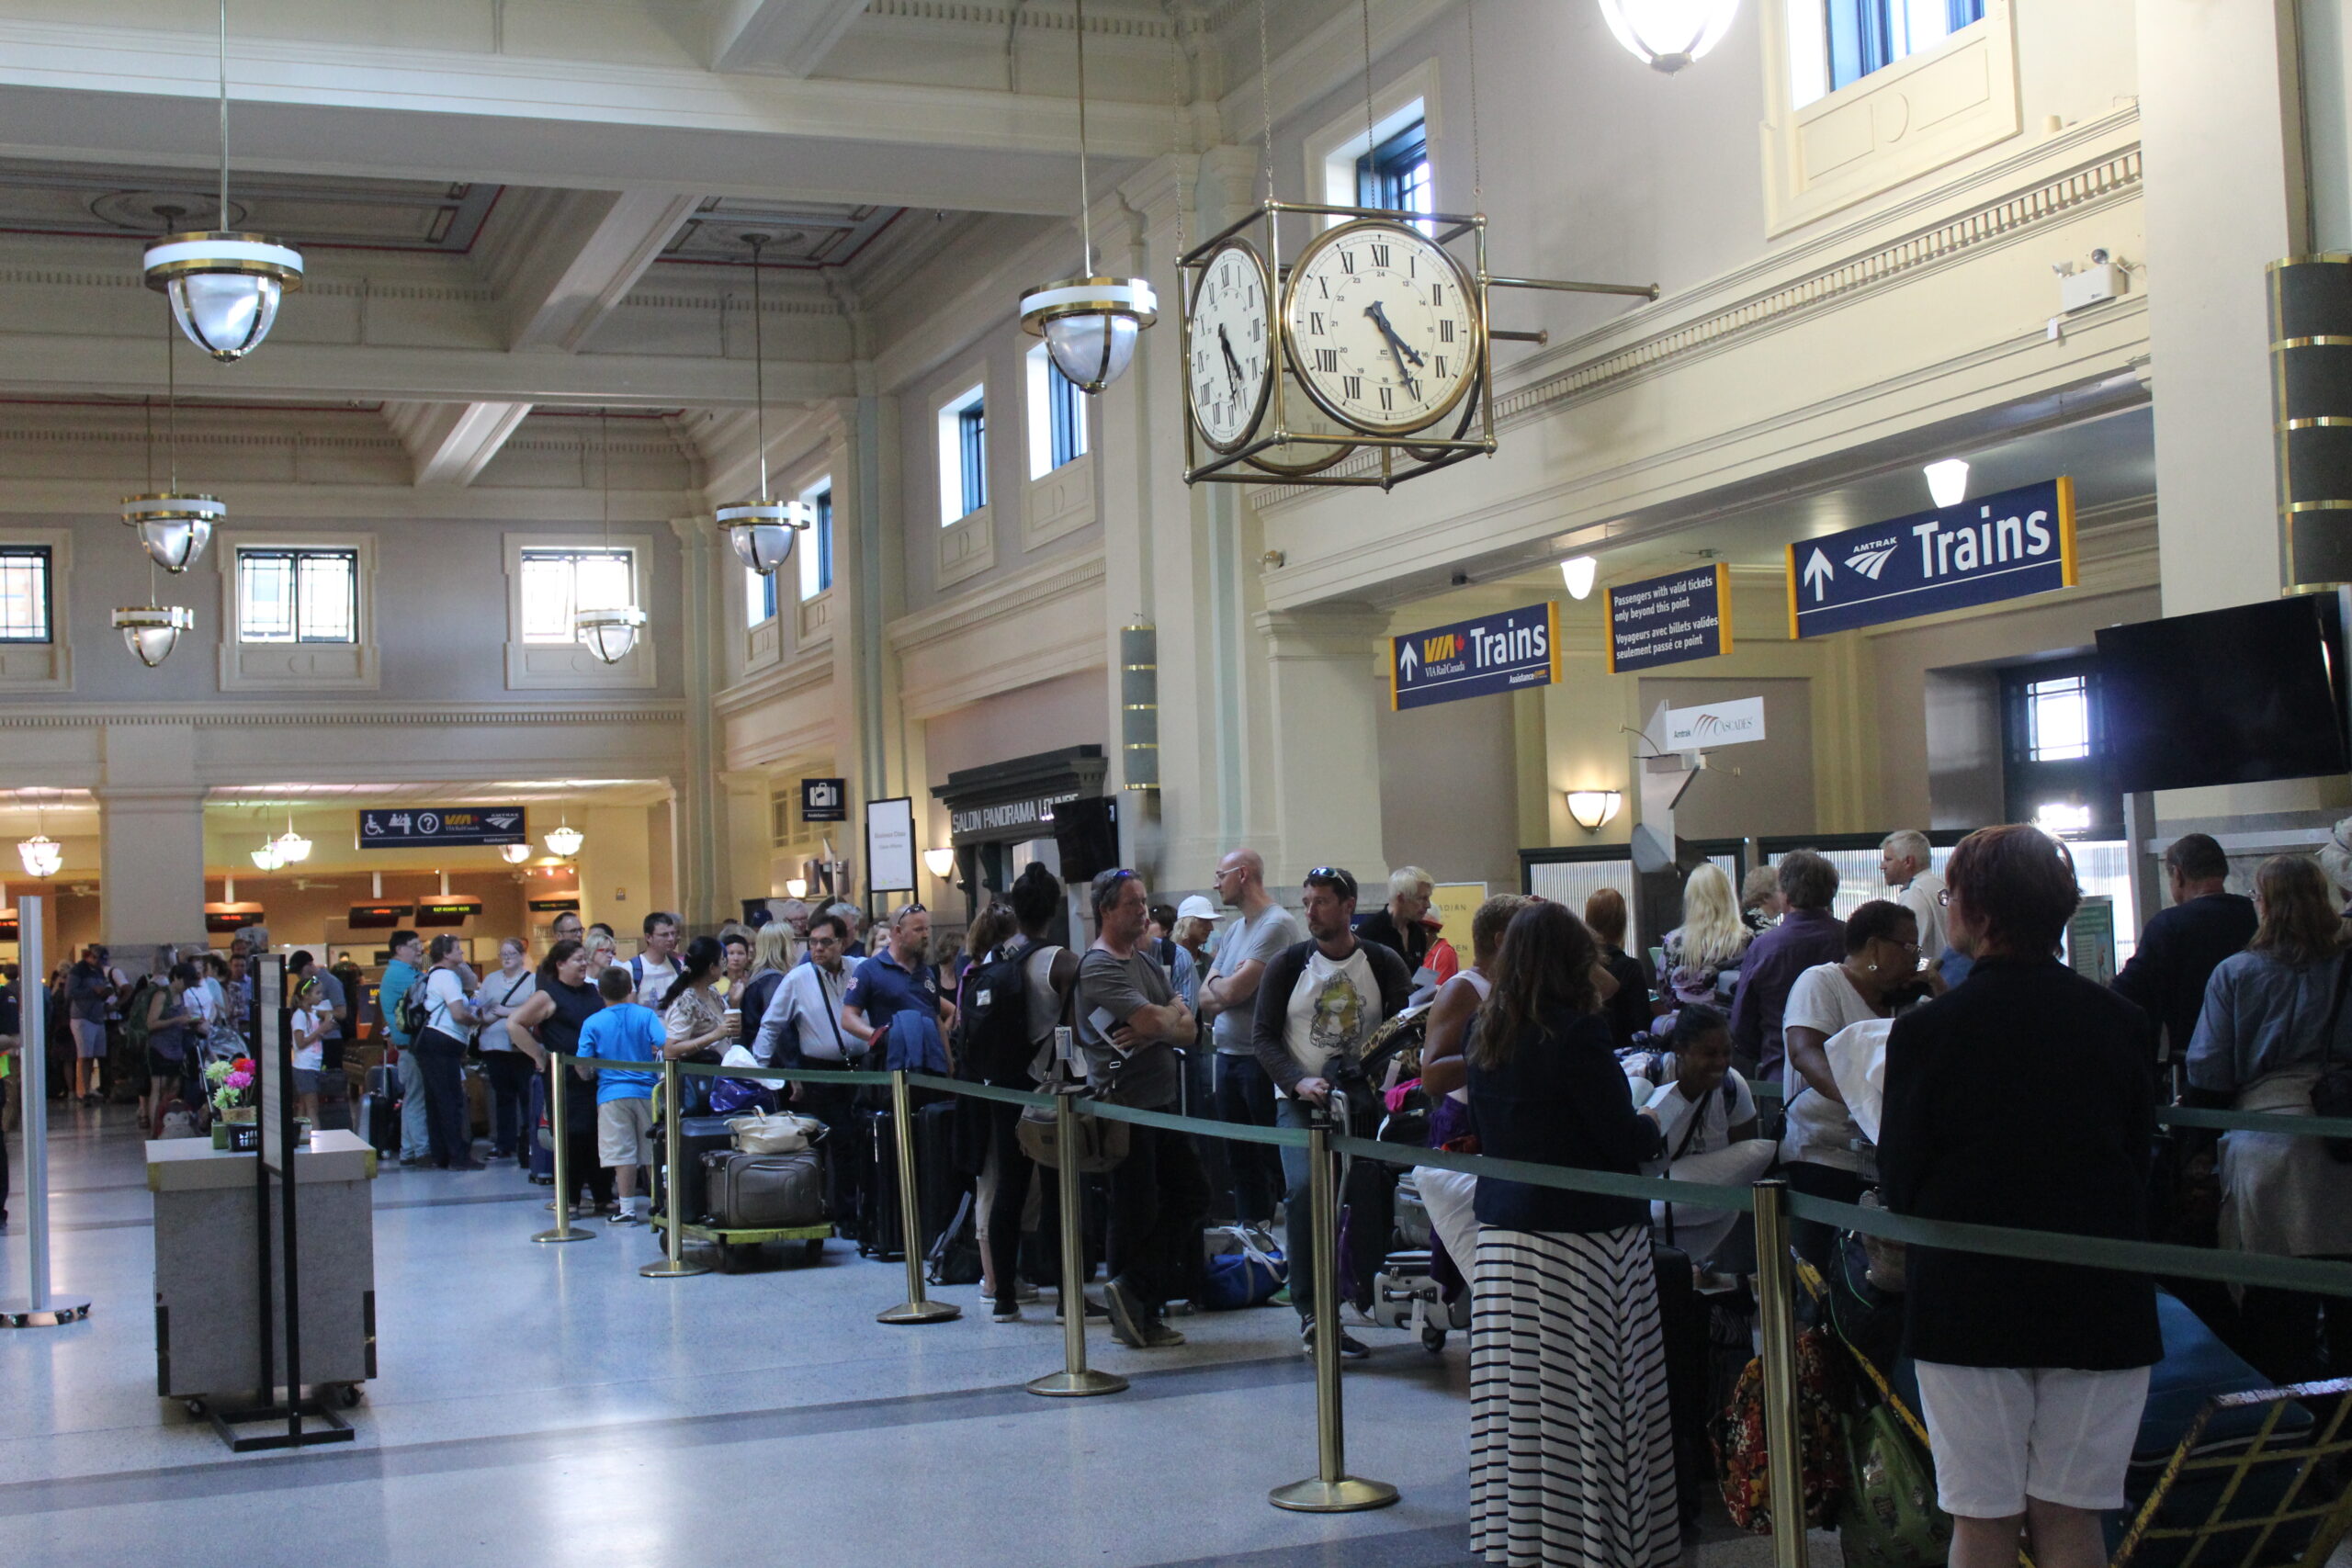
451,443
91,92
788,36
566,259
67,364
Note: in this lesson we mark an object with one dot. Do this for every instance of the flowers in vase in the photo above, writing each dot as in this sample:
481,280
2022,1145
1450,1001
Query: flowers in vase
230,1084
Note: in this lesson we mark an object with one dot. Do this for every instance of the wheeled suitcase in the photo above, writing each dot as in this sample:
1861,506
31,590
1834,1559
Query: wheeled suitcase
880,1233
697,1135
939,1184
379,1121
747,1192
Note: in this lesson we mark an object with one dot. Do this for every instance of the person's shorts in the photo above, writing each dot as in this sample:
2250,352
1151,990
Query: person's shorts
624,1132
306,1080
162,1066
2003,1434
89,1037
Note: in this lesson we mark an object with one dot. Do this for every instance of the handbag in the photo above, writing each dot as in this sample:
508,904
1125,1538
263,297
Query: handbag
1100,1144
776,1132
2332,1092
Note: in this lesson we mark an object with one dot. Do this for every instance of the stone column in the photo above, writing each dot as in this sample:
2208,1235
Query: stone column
1323,686
151,814
701,819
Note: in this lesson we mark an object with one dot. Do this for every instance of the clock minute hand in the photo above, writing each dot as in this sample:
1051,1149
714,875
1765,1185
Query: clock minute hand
1232,364
1397,348
1381,317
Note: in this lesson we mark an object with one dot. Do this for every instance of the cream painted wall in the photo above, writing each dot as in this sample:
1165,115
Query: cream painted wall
1447,790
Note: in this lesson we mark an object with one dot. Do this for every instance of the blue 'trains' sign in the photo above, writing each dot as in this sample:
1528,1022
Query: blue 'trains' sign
1991,547
1472,659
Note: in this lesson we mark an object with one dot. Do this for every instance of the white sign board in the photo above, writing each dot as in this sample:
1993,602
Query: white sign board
268,1064
890,845
1711,724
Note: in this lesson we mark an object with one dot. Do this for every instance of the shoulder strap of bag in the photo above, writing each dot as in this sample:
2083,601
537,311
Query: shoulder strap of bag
2335,1003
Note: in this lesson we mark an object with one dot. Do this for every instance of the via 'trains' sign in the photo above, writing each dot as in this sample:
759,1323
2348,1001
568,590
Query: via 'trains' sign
1993,547
1669,620
421,827
1474,658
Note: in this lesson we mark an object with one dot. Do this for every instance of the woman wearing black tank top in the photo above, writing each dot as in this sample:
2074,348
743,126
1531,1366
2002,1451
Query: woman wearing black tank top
549,1020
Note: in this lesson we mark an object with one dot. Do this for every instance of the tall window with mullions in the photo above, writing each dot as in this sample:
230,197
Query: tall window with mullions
297,595
1395,174
25,593
2054,749
1066,416
1870,34
972,448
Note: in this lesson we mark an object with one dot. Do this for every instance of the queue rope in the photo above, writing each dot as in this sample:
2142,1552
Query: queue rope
2162,1259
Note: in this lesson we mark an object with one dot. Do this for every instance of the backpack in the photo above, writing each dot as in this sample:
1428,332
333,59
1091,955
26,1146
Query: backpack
1742,1464
1890,1519
135,1013
414,1014
992,1041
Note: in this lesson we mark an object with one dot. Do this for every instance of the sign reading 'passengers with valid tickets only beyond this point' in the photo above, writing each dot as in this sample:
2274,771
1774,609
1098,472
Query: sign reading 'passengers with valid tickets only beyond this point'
1669,620
1991,547
1501,652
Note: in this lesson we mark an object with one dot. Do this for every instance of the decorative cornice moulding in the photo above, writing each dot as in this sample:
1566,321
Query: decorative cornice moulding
272,715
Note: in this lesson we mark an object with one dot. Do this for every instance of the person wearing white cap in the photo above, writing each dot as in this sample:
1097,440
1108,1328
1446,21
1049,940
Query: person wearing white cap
1195,919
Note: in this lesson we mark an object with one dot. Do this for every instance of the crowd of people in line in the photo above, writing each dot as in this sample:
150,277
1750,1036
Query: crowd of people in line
2010,1091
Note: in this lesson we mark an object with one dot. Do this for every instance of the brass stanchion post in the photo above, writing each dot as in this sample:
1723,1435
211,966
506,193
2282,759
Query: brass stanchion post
1075,1380
556,1087
1776,1305
1332,1489
917,1307
674,1265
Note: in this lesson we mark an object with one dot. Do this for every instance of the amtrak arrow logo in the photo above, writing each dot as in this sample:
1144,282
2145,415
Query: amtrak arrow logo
1406,661
1817,573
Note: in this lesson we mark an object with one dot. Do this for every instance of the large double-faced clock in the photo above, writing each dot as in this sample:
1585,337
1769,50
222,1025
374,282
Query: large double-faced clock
1382,328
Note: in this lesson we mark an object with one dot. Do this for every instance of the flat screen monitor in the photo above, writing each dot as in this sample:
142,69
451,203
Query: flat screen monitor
1086,833
2229,696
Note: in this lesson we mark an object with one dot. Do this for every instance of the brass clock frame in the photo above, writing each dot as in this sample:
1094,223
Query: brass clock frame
1192,301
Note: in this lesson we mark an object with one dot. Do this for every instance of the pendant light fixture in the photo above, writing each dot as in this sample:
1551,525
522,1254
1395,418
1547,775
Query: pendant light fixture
515,855
174,528
1668,35
564,841
609,631
224,285
42,855
761,531
292,848
151,631
1089,322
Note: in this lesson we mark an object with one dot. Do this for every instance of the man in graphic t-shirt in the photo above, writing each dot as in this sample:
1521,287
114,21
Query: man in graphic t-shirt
651,971
1319,1001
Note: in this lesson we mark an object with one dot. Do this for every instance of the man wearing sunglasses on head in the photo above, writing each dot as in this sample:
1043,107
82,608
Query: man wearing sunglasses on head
1319,1001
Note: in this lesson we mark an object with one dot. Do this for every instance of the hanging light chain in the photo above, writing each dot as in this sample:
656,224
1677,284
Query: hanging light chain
1085,198
1364,8
172,395
759,364
1477,157
1178,138
224,114
1266,97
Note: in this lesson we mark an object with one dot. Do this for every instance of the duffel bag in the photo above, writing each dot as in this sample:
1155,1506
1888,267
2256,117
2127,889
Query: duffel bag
774,1133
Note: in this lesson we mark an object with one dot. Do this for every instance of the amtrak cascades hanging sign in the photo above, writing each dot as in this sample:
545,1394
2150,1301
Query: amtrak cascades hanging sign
1474,658
1993,547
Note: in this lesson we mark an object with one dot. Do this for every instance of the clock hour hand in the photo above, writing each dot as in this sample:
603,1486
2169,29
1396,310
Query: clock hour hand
1397,347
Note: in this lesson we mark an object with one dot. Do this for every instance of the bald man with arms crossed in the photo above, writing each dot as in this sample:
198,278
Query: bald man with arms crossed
1243,1094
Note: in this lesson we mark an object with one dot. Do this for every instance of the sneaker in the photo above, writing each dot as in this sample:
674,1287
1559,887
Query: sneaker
1022,1290
1350,1348
624,1217
1280,1297
1128,1317
1093,1309
1158,1335
1007,1311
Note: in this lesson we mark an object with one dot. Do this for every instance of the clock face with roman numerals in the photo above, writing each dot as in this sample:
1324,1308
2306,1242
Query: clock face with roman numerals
1231,336
1381,326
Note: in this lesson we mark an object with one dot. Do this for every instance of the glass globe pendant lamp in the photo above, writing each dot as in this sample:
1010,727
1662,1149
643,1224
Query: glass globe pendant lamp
514,854
173,529
267,857
1090,322
224,284
608,631
761,531
151,631
292,848
1668,35
564,841
42,855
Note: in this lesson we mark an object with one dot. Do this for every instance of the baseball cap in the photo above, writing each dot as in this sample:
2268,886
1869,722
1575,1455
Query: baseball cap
1196,907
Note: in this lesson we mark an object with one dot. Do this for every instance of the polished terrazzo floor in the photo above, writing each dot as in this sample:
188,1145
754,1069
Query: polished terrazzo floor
547,1404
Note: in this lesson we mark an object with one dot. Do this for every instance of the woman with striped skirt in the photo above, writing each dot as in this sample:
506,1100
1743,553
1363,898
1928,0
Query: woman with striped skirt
1571,1445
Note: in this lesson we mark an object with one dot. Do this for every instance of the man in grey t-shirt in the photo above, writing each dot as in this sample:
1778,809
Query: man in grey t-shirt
1129,1018
1243,1093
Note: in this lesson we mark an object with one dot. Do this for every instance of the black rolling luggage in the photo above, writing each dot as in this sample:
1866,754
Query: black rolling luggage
748,1192
697,1135
880,1232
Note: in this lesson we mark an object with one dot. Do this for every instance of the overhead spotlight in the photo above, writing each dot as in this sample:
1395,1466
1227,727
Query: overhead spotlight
1948,481
1578,572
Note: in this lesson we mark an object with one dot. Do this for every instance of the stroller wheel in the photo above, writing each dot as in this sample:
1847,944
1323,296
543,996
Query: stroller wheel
1433,1339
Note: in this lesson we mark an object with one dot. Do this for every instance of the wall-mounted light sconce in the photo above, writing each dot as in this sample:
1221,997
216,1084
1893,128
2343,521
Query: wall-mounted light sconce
940,863
1578,572
1593,809
1947,482
795,887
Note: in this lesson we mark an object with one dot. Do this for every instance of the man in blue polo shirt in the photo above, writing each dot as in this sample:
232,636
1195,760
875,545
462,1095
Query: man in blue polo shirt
623,1032
894,989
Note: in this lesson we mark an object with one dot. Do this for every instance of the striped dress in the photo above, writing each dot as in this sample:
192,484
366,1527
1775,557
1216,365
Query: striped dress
1571,1445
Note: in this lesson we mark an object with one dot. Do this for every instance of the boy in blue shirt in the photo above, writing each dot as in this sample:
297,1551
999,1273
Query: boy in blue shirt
623,1032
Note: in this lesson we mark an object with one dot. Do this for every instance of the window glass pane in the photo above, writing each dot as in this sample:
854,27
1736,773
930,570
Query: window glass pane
265,596
326,596
24,593
816,547
1864,35
2058,720
972,440
759,596
557,582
